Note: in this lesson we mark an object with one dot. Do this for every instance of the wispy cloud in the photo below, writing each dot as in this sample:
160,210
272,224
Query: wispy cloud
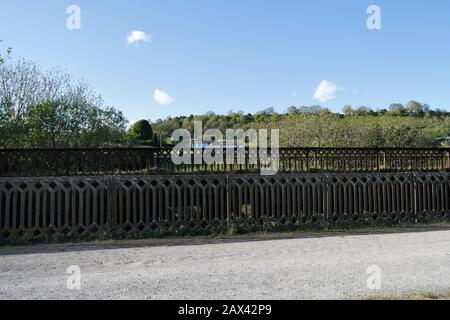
326,91
162,98
137,36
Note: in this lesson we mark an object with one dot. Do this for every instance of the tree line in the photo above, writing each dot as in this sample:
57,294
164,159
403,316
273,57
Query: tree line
52,109
410,125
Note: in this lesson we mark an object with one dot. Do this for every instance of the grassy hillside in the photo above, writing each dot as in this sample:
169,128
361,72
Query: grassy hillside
321,128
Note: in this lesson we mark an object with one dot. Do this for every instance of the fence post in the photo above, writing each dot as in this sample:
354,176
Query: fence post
327,198
228,205
111,182
147,159
448,160
378,161
307,161
415,195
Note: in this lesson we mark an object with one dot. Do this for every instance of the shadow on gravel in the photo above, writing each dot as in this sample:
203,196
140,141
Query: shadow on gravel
198,241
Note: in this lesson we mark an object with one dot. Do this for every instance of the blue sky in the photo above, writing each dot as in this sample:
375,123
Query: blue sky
243,55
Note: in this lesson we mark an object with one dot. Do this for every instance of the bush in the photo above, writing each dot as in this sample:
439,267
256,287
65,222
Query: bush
142,131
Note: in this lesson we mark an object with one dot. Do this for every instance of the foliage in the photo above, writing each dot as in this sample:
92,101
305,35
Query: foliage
413,125
141,132
8,53
50,109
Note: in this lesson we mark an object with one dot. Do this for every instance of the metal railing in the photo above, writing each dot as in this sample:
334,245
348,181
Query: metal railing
116,161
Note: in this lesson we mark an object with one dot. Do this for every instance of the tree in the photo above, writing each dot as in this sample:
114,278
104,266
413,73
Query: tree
397,109
50,109
363,111
348,110
8,53
267,111
141,130
292,110
415,108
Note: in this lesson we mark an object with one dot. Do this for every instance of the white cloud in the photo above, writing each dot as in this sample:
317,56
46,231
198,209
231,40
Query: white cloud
326,91
162,97
137,36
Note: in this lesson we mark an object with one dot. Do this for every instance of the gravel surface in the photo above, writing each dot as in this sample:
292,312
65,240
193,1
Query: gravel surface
332,267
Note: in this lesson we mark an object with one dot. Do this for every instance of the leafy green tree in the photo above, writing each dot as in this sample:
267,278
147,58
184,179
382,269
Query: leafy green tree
292,110
50,109
348,110
142,130
415,108
397,109
363,111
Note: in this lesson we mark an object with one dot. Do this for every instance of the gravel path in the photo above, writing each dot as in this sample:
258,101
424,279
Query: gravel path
309,268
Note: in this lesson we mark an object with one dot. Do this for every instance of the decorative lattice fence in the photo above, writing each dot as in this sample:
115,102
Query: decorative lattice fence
74,162
75,207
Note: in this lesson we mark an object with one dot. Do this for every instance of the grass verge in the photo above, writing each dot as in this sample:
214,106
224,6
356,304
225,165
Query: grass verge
422,296
223,237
